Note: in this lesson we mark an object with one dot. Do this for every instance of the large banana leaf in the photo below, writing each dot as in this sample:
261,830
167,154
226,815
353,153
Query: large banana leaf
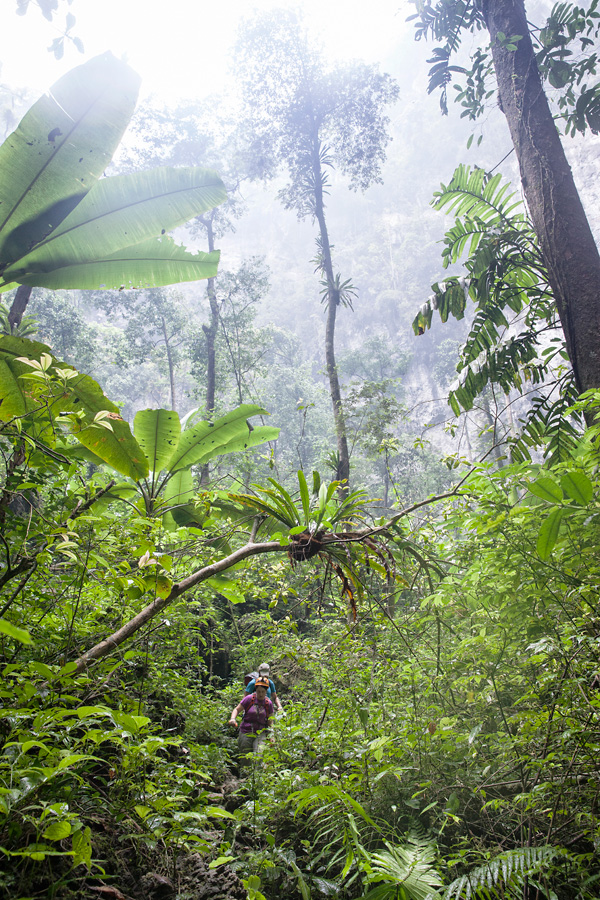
157,432
111,227
260,434
13,398
206,439
178,492
61,147
151,264
80,394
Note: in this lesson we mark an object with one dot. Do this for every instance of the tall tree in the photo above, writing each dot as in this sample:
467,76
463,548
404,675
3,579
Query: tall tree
308,118
570,252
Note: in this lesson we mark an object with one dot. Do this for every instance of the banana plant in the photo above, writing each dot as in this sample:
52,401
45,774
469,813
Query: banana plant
62,225
172,450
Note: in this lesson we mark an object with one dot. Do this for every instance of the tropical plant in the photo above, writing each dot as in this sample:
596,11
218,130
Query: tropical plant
514,339
41,398
571,256
505,875
172,450
403,873
310,524
63,226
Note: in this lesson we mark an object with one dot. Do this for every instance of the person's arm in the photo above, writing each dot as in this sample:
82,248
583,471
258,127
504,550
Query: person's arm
235,713
276,702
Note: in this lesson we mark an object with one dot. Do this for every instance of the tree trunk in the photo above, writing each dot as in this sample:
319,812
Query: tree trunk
19,305
333,300
567,243
170,364
211,333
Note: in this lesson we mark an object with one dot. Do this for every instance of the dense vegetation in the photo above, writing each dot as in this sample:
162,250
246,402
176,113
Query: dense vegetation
432,624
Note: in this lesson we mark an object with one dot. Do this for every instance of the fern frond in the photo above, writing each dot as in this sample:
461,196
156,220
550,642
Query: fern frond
503,876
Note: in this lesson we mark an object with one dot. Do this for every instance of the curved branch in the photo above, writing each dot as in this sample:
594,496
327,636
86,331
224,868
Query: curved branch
179,588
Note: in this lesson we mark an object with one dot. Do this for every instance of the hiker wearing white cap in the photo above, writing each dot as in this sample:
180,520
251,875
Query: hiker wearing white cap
264,671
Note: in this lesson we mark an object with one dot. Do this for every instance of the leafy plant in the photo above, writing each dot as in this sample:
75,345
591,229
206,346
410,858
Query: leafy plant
171,451
403,873
512,340
42,397
503,876
62,226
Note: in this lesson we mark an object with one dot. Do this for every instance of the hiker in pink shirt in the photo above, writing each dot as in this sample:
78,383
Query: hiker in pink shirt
257,710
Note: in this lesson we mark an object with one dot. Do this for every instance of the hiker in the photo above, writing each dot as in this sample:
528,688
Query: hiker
264,671
257,710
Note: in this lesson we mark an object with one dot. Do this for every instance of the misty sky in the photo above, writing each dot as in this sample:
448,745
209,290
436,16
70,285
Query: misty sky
180,47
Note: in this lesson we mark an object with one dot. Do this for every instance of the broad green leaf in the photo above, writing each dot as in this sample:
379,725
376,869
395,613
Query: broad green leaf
178,492
116,215
548,534
578,487
157,432
43,670
60,148
132,724
179,489
82,847
12,397
115,446
546,489
207,439
228,588
217,812
158,584
17,634
73,758
260,434
220,861
153,263
17,395
57,831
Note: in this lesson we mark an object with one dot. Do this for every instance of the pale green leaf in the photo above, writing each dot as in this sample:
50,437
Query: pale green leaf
116,215
157,432
206,439
17,634
60,149
153,263
57,831
546,489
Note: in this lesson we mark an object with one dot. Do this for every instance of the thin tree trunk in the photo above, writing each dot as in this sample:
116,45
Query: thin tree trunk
170,364
210,332
567,243
19,305
333,300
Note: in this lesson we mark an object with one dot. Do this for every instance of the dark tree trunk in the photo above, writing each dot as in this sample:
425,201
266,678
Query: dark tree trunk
19,305
333,300
569,249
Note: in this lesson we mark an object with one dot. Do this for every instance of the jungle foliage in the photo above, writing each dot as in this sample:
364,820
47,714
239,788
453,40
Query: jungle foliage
436,652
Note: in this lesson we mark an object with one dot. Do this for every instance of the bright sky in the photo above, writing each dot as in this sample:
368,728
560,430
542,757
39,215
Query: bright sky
179,47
